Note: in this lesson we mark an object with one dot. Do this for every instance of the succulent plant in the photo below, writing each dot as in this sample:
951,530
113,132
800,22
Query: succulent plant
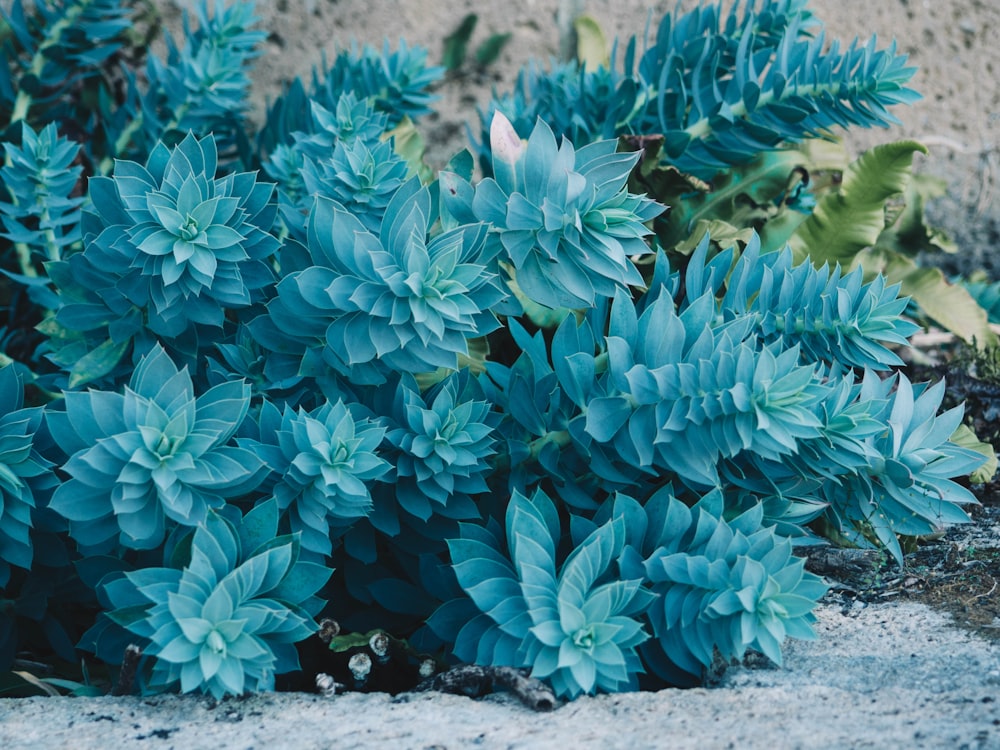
525,429
393,82
198,238
152,457
444,440
907,483
226,622
721,586
719,87
565,217
54,47
361,175
42,217
341,156
168,248
24,473
399,300
323,463
574,626
202,86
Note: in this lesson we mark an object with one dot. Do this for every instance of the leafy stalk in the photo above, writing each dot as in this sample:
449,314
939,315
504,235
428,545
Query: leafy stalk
42,217
76,37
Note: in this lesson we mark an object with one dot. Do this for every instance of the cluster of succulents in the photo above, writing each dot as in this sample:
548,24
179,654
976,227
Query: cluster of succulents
504,420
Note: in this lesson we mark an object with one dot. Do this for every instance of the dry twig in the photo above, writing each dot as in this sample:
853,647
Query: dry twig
475,681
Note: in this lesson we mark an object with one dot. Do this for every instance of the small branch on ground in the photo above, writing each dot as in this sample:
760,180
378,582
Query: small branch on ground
475,681
130,665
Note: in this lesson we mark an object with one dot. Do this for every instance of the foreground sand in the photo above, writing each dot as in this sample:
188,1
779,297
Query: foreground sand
887,675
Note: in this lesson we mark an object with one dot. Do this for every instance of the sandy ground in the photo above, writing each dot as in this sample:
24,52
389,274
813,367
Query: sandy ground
886,675
881,676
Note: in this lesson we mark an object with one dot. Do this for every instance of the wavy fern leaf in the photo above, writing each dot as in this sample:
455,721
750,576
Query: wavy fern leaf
846,221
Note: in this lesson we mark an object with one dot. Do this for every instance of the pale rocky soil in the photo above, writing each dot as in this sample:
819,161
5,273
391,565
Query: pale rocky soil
879,676
885,672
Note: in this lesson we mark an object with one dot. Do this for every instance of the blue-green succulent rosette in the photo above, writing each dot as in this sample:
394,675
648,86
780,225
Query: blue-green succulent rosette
323,463
342,157
402,300
226,622
575,625
169,246
198,237
444,439
360,175
150,458
564,216
26,476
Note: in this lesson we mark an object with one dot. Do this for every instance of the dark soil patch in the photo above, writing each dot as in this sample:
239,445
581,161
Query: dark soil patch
958,573
961,573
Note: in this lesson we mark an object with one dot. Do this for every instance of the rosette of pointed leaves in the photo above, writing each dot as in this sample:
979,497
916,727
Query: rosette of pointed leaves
199,244
226,622
394,82
323,462
151,457
40,215
24,473
168,250
342,156
354,119
565,217
445,438
720,585
907,487
683,394
396,301
361,175
574,626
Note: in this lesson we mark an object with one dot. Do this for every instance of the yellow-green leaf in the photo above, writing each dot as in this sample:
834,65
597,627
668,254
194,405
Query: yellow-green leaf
409,145
97,363
850,219
591,46
723,233
38,683
964,437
